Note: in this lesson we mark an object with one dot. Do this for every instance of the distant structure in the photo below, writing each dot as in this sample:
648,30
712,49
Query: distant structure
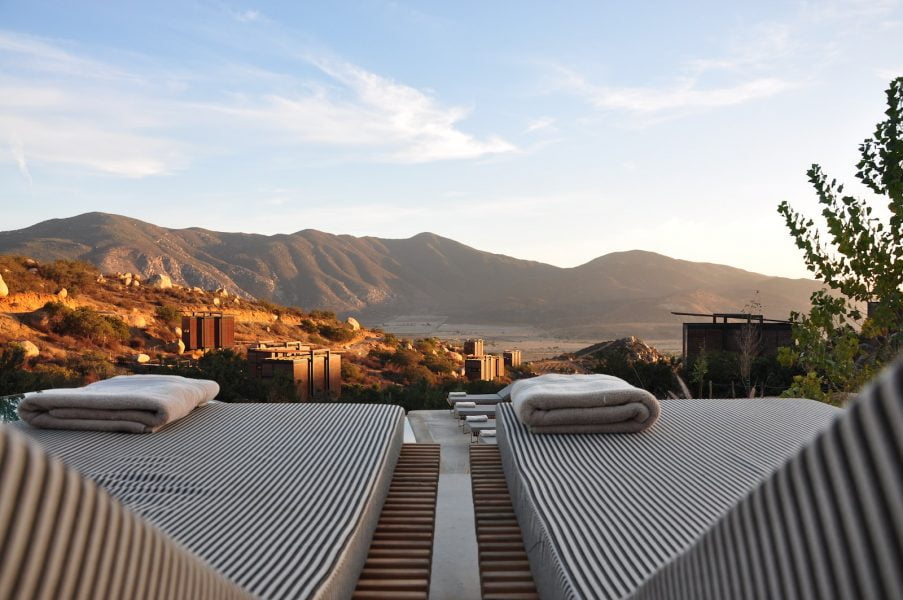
512,358
207,330
473,347
763,336
317,374
486,367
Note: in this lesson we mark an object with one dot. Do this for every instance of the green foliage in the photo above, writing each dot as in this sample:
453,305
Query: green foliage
326,315
390,339
237,384
16,379
862,260
74,275
169,314
309,326
336,332
700,370
657,377
85,323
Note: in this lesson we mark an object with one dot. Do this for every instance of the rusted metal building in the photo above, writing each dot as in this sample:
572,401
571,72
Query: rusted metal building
474,347
744,332
512,358
317,374
208,330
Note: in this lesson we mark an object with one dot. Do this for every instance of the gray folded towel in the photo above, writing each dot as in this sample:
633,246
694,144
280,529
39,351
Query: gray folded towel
129,403
465,404
582,404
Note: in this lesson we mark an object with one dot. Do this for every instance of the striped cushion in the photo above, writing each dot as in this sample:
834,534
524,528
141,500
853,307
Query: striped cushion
63,537
828,524
280,498
601,512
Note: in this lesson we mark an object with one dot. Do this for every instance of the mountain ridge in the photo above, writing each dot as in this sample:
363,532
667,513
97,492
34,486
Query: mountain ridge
375,278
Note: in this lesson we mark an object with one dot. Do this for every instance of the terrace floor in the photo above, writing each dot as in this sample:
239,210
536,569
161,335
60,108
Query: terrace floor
455,571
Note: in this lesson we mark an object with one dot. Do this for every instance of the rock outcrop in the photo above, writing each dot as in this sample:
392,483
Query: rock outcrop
160,281
4,290
353,323
31,350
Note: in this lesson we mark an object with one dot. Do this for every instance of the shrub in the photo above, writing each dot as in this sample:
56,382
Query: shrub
169,314
308,326
336,333
70,274
85,323
326,315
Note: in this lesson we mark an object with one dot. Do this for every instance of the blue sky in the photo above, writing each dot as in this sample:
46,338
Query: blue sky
549,131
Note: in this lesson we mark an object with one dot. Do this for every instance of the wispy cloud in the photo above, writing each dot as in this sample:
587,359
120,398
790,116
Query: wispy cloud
78,111
247,16
18,151
541,124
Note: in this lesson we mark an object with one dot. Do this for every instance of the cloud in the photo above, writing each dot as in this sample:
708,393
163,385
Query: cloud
18,151
688,95
540,124
76,111
366,110
247,16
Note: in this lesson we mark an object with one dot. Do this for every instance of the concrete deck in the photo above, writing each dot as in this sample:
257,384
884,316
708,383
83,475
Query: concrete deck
456,570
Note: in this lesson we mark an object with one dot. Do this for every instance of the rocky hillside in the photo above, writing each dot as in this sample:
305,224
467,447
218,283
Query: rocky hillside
623,293
76,324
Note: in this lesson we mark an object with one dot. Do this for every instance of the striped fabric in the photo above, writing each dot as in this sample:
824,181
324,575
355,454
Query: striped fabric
828,524
601,512
280,498
63,537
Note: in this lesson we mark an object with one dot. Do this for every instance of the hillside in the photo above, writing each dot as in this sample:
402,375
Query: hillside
623,293
76,324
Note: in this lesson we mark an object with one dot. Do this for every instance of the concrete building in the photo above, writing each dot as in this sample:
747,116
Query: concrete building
486,367
208,330
473,347
317,374
513,358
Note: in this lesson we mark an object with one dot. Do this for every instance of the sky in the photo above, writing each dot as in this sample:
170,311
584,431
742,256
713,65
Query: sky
550,131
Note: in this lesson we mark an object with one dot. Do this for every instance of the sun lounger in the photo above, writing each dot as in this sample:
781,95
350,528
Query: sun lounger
761,498
503,395
474,429
488,410
280,499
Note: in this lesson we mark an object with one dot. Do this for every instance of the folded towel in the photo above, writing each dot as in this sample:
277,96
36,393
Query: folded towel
582,404
129,403
487,433
457,393
476,418
465,404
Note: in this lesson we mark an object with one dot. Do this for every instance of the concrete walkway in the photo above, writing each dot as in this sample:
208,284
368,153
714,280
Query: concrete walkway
456,571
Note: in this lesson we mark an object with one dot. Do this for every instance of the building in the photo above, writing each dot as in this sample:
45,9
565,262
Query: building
473,347
208,330
755,333
317,374
486,367
512,358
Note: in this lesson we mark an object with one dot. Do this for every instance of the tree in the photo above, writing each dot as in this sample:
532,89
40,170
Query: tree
861,260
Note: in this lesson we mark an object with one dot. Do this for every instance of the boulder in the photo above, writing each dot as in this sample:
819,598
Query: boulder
138,321
222,292
101,279
160,281
353,323
236,301
197,290
142,358
4,290
126,280
31,350
135,283
62,294
30,262
216,302
178,331
455,356
180,347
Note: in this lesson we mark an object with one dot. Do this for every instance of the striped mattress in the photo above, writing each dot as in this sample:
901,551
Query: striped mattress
282,499
600,513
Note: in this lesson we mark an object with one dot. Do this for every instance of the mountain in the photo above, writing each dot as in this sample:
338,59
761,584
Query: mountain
621,293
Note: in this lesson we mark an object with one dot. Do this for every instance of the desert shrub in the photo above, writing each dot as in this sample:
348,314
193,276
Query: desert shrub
336,333
308,326
390,339
403,358
351,372
91,366
439,364
70,274
326,315
16,379
237,384
169,314
86,323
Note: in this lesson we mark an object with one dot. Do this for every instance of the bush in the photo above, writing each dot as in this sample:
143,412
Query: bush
169,314
326,315
89,324
336,333
308,326
70,274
